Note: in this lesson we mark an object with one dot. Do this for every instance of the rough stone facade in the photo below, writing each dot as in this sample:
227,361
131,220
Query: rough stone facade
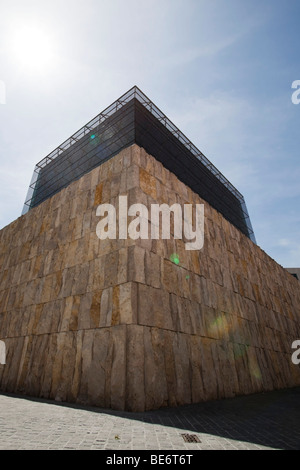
117,324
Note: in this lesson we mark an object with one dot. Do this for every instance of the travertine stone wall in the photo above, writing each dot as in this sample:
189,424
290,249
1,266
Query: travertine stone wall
116,323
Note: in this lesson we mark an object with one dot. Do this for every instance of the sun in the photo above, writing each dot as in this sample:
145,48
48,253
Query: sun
33,48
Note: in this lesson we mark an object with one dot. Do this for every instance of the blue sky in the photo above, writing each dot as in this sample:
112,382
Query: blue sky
221,70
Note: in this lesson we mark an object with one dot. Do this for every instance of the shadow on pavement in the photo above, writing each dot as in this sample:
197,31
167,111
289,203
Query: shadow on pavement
271,419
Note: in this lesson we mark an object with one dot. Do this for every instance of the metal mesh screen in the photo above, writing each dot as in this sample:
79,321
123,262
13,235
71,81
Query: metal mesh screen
133,118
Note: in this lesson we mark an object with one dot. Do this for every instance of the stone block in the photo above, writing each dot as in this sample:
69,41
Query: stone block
135,371
106,307
136,264
182,369
84,313
98,194
64,360
156,394
118,368
208,369
80,279
197,387
128,303
111,268
154,307
147,183
152,269
170,276
70,310
132,177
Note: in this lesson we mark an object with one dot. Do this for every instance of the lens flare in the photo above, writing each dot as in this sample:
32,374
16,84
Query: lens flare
219,326
254,367
94,139
33,47
255,371
239,350
174,258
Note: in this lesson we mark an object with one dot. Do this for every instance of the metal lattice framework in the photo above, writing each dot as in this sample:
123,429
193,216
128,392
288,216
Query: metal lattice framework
77,144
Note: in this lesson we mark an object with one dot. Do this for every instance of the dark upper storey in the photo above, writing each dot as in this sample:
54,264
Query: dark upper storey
133,118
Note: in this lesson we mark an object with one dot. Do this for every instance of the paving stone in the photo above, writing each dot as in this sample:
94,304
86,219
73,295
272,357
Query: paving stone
257,422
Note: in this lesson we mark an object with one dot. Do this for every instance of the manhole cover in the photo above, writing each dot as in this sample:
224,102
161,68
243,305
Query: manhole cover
190,438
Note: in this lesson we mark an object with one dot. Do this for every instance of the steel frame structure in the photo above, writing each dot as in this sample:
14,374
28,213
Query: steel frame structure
116,128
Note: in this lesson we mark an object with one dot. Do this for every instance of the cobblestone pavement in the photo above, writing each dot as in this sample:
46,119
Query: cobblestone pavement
261,421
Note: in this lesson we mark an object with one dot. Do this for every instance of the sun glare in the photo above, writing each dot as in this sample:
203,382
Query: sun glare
33,48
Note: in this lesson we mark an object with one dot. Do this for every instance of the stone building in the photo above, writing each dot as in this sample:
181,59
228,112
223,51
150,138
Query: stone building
142,323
